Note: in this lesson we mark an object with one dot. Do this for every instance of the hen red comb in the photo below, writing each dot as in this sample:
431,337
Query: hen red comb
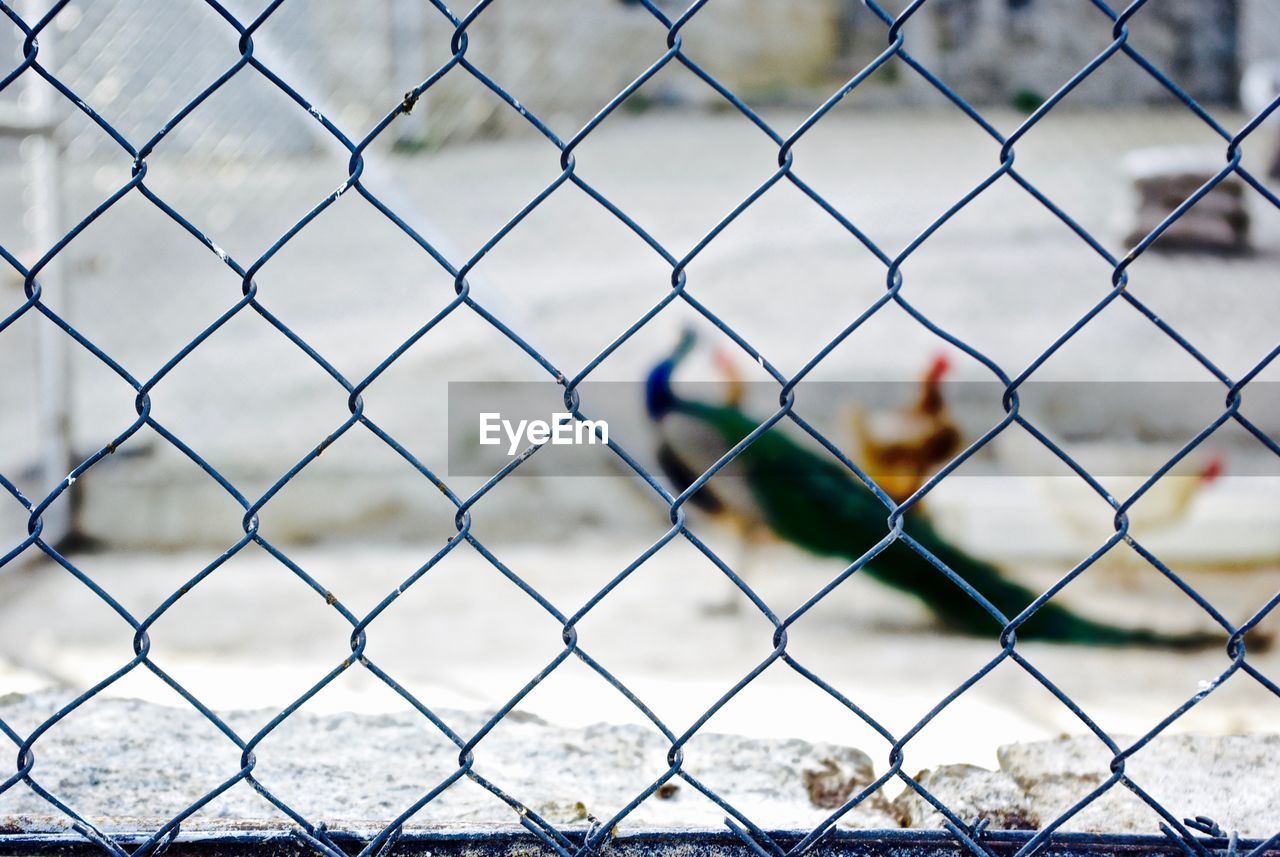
1213,468
938,369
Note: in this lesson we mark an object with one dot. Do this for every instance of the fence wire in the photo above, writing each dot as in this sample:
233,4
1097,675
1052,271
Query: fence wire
1196,838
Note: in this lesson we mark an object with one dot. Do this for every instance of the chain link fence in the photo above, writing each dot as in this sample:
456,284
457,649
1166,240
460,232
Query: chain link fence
228,88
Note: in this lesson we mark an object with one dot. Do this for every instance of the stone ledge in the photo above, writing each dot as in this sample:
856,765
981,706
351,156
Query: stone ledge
130,765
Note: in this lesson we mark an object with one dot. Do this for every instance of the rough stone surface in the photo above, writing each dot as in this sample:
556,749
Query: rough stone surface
1231,779
972,793
127,764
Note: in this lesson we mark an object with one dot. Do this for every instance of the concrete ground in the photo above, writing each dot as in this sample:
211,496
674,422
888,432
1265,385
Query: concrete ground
464,637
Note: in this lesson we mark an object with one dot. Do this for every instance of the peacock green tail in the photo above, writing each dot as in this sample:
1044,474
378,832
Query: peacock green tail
816,504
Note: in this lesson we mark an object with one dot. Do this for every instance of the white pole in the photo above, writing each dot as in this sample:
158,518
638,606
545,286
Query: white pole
42,159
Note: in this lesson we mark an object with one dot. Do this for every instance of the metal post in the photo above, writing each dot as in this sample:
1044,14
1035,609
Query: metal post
42,161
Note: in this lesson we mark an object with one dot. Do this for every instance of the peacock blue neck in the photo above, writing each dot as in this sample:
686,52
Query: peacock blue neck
659,398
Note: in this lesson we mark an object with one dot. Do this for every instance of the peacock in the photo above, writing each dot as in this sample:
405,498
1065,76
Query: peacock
816,504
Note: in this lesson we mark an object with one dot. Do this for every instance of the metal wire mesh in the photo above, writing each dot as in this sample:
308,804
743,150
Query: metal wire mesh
961,832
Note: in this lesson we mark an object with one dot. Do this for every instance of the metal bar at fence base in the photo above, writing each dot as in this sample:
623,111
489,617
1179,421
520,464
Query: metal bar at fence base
511,841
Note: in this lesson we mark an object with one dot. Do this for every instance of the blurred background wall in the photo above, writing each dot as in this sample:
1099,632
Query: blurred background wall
572,57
